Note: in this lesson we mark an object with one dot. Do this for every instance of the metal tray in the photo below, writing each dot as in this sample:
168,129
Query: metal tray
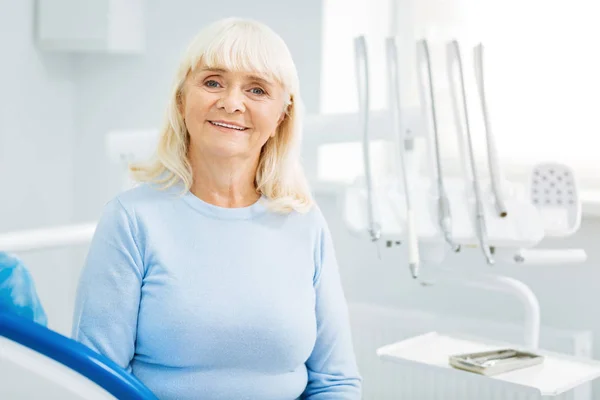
495,362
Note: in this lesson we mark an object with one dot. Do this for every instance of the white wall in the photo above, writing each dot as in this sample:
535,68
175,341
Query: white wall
37,137
36,125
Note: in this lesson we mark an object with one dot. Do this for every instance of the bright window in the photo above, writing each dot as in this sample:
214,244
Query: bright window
542,68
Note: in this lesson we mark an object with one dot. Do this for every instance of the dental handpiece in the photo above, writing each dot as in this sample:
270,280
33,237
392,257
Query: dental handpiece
362,76
444,214
480,225
491,145
394,92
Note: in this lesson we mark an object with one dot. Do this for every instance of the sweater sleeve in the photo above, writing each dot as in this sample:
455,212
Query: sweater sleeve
332,369
109,290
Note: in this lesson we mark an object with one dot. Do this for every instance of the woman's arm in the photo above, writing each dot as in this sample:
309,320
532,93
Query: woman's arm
332,369
109,291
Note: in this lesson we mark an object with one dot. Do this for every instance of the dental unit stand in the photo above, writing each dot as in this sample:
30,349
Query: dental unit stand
512,223
512,215
502,284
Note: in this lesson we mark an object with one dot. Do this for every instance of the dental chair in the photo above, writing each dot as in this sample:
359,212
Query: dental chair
36,362
35,359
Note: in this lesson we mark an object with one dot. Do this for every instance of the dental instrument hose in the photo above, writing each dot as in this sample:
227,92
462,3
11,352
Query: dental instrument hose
362,77
394,92
491,145
444,215
480,217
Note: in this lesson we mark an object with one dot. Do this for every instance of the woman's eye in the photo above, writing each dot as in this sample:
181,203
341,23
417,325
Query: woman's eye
257,91
211,83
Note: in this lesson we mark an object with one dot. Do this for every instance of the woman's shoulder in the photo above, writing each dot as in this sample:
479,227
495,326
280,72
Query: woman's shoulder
142,196
312,218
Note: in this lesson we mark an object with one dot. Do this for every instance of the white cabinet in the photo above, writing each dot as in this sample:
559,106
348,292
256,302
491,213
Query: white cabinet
100,26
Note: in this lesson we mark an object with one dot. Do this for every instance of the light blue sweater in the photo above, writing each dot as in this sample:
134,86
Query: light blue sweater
204,302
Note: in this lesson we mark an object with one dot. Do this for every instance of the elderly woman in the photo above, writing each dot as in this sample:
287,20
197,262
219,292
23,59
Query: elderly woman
216,277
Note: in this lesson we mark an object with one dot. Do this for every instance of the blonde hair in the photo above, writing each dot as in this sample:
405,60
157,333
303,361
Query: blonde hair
238,45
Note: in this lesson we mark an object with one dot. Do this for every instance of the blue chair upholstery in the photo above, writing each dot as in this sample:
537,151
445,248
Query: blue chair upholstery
74,355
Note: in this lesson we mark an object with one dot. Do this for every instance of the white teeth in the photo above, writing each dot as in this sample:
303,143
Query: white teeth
228,126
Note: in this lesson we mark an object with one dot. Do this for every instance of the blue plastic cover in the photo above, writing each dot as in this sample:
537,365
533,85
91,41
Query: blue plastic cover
17,290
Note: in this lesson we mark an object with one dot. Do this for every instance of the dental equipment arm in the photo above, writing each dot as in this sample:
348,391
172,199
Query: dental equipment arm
444,215
491,145
455,57
498,283
362,77
394,93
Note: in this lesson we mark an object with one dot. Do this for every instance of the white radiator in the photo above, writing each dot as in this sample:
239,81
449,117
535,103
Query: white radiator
374,326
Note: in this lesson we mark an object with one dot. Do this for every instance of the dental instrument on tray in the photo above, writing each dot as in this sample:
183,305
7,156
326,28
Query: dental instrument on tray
395,105
480,227
444,214
362,77
495,362
491,144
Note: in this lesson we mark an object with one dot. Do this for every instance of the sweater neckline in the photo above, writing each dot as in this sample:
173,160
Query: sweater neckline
211,210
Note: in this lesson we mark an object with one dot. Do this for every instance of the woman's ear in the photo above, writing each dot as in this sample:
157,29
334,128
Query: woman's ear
281,118
284,113
279,121
181,97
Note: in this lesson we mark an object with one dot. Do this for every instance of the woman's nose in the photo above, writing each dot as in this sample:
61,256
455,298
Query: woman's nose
232,101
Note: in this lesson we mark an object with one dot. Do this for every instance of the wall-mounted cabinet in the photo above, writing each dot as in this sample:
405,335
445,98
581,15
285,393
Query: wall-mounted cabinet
91,26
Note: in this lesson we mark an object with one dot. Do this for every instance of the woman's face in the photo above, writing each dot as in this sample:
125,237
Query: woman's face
231,114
